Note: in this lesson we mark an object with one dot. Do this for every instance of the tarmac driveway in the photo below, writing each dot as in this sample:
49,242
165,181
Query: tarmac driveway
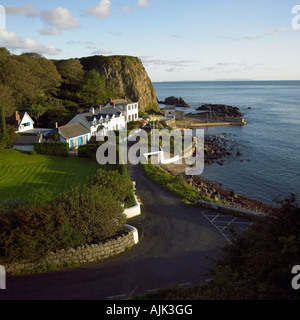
175,243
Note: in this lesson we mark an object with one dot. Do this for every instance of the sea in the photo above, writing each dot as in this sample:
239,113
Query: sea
269,167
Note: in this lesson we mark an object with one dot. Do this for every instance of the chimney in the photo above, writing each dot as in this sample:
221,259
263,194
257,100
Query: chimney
100,108
124,98
56,125
109,100
18,117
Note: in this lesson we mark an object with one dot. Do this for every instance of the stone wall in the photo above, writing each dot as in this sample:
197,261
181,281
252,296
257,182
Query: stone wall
82,254
230,210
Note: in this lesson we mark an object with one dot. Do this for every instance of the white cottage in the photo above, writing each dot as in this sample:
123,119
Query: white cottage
74,134
21,121
130,109
101,120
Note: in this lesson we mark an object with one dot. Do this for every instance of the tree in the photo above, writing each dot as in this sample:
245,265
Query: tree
7,100
31,77
37,111
3,134
94,86
258,263
71,71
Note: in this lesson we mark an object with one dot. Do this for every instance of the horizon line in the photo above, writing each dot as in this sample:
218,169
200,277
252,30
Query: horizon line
224,80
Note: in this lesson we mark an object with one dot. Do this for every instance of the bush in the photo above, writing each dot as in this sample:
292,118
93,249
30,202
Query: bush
10,205
39,196
29,233
94,212
134,125
88,150
118,183
33,153
52,148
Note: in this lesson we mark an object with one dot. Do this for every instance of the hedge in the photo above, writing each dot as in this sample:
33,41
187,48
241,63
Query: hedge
88,150
52,148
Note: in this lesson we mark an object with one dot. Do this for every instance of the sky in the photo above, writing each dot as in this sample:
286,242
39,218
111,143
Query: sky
191,40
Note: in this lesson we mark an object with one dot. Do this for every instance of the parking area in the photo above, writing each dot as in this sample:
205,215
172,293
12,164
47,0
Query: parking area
225,223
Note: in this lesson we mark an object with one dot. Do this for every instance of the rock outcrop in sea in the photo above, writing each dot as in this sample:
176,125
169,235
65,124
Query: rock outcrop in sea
173,101
221,110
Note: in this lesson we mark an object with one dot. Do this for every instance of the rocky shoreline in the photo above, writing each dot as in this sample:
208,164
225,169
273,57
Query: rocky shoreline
216,151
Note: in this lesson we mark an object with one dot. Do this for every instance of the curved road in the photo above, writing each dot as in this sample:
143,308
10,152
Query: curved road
175,241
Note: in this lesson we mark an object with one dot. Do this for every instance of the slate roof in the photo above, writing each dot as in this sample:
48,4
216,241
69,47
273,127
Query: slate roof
26,140
73,130
89,116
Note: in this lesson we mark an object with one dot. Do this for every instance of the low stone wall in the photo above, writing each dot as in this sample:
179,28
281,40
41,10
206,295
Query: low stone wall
82,254
133,211
230,210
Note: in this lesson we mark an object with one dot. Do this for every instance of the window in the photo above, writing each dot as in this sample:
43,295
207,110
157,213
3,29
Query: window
74,143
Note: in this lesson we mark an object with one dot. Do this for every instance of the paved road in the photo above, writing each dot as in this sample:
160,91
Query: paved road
175,241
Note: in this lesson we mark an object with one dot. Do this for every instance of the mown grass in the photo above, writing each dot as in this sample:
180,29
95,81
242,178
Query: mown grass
176,185
23,174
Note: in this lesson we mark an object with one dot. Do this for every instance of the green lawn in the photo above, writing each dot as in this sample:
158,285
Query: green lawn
21,174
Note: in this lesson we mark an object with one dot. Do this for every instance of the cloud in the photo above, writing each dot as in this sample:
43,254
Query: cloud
270,32
27,10
142,3
59,18
11,40
102,10
174,69
163,62
253,37
115,33
50,31
228,67
102,51
276,32
126,8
